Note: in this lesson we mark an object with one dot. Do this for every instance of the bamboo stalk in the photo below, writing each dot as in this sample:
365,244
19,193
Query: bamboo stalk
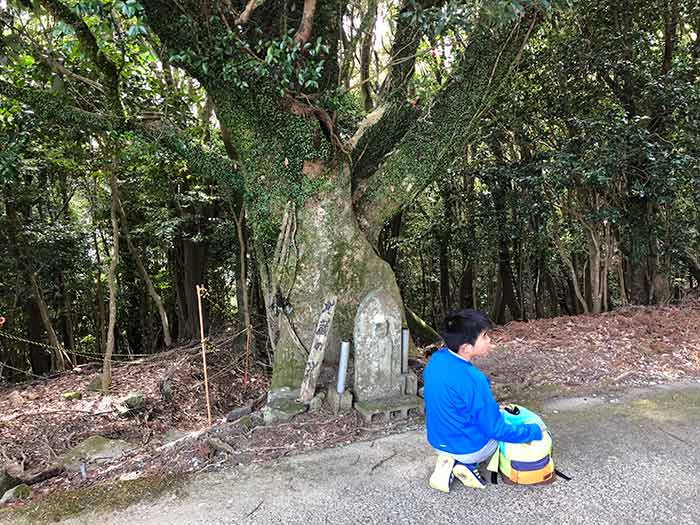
200,290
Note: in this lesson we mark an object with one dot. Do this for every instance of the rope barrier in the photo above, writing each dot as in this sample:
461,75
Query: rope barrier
49,348
5,365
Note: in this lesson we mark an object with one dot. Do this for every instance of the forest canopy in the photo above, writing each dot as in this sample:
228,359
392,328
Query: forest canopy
527,158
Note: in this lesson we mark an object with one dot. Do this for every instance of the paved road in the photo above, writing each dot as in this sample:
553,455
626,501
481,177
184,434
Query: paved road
633,459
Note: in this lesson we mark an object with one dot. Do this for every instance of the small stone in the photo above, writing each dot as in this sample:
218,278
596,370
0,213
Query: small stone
346,401
95,384
17,493
16,399
31,396
317,402
130,476
216,444
238,413
245,421
7,480
72,396
257,418
135,401
166,390
173,435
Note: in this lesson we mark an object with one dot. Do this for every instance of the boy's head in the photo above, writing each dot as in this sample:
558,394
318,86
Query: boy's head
467,330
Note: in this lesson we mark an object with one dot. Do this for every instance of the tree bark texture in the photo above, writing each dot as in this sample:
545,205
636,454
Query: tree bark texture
112,284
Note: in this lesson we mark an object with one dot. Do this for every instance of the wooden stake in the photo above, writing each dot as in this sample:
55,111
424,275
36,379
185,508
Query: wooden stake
200,291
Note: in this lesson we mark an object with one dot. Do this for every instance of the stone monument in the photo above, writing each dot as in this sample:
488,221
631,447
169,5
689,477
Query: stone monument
380,383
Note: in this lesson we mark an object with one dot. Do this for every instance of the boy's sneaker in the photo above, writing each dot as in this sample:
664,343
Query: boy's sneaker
469,475
442,476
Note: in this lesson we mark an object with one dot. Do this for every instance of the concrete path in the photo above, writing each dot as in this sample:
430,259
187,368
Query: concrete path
633,459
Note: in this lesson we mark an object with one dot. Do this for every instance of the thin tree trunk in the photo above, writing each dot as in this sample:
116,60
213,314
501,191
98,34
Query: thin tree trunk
366,54
112,282
553,294
499,307
59,361
144,275
185,330
574,281
466,288
101,314
444,241
505,268
68,337
243,275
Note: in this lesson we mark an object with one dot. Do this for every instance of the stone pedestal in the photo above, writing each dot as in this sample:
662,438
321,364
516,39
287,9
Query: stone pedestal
382,391
387,409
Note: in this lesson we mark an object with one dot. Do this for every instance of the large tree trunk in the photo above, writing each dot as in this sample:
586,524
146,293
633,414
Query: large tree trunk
322,246
288,150
39,358
505,267
466,287
195,255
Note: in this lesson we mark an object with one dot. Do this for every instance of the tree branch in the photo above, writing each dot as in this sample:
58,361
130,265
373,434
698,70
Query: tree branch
307,22
403,50
250,7
88,42
443,131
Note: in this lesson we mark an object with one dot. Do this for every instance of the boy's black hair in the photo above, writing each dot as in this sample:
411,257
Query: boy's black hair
463,326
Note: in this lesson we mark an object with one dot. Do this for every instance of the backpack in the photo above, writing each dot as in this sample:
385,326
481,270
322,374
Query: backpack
524,463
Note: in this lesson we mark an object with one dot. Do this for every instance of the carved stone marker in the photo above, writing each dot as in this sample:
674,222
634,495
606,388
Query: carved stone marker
379,384
377,342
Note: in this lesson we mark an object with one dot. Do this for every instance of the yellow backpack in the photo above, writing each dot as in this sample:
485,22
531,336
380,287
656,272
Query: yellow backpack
524,463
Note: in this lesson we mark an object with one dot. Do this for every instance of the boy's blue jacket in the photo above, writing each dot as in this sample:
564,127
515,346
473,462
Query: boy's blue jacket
461,414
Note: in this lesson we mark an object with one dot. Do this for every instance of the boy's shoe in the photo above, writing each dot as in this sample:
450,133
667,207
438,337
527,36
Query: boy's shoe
442,476
469,475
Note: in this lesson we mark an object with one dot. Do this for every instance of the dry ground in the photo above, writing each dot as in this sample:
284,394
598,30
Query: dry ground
629,347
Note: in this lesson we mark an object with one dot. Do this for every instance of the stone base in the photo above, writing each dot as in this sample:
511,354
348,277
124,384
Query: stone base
339,402
385,409
282,410
410,383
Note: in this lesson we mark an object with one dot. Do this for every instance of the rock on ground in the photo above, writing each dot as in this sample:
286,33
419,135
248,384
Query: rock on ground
7,480
95,449
16,493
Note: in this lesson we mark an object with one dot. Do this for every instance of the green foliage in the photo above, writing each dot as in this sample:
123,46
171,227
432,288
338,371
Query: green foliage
282,63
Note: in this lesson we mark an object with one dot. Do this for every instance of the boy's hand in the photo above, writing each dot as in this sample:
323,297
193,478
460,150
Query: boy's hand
542,426
2,320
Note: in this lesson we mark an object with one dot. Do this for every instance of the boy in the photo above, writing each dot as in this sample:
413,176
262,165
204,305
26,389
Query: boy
462,419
